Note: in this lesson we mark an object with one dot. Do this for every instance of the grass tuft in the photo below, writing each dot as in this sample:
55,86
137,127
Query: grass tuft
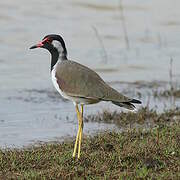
152,154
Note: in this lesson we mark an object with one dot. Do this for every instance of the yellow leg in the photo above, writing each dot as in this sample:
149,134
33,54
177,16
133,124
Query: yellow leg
77,136
80,131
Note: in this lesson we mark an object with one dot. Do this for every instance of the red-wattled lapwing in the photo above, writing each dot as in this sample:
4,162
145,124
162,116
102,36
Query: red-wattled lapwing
78,83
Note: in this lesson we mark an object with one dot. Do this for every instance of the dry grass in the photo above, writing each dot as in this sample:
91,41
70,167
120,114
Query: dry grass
143,116
133,154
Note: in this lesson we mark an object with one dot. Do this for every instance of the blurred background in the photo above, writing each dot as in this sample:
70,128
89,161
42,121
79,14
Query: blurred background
133,45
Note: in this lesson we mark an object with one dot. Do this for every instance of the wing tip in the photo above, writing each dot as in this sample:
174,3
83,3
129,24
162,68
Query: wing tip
126,105
136,101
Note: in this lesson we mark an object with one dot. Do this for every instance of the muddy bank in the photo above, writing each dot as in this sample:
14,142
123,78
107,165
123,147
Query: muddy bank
133,154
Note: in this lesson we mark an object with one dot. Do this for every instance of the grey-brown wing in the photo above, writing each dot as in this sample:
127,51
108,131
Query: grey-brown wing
79,81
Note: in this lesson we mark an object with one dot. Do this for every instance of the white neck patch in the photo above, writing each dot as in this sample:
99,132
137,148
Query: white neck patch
58,46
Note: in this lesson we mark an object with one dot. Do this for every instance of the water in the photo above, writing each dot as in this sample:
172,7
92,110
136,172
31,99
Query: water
29,108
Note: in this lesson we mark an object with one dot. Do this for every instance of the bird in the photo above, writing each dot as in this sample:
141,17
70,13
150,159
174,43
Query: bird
79,83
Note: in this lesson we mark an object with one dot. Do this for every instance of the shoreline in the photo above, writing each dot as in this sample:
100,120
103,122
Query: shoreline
136,153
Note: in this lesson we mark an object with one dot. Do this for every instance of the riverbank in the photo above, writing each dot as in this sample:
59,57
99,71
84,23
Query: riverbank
135,153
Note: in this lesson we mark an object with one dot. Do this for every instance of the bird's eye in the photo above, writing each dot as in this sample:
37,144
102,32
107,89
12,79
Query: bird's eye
47,40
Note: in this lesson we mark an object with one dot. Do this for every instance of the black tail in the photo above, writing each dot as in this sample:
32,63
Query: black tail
127,105
135,101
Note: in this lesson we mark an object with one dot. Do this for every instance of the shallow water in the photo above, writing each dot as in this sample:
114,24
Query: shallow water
30,110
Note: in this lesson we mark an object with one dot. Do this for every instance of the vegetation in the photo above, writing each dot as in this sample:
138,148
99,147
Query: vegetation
168,93
142,117
152,154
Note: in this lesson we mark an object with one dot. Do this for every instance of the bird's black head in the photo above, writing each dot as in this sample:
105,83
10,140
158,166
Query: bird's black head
54,44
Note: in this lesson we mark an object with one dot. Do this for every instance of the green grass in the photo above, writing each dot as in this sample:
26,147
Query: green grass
136,154
142,117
